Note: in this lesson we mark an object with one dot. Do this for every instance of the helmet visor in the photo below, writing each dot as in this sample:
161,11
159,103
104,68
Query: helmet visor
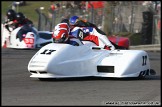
60,40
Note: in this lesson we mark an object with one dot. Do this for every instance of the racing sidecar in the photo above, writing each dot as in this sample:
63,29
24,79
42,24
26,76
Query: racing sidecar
24,37
56,60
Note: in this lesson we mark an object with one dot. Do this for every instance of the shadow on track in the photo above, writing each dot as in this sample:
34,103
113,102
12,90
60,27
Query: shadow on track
158,77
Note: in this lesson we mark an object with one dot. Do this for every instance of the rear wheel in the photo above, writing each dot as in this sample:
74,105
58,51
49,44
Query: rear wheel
152,72
142,74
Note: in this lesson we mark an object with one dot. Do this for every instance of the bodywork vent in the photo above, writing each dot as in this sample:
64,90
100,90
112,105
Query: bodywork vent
105,69
39,72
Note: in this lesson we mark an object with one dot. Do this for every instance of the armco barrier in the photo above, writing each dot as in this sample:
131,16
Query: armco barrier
153,47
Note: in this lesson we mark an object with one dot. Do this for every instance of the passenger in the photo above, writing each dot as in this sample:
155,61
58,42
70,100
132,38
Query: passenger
76,21
61,35
15,20
22,20
91,32
11,20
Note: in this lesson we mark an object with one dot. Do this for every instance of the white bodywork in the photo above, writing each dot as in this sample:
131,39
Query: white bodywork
64,60
31,39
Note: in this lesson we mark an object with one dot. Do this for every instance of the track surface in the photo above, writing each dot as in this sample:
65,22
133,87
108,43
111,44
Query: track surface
19,89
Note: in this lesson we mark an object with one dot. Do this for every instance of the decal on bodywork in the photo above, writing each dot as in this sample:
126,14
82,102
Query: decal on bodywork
144,60
47,51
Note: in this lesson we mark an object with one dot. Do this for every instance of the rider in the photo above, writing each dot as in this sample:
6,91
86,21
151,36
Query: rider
76,21
11,19
95,35
61,35
21,20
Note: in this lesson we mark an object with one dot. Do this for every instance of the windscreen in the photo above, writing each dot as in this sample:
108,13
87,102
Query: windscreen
23,31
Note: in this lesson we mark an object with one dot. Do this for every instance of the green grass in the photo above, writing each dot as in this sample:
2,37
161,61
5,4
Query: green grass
28,9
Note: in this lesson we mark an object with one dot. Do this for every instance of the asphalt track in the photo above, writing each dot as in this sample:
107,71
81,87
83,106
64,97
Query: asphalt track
18,89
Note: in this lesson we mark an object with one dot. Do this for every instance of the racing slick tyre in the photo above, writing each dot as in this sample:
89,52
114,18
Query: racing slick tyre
152,72
142,74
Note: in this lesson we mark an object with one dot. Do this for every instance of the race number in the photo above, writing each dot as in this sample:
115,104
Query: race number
144,60
29,40
47,52
80,34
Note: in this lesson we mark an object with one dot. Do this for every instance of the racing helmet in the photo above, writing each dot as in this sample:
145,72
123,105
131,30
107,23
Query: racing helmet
11,14
20,17
61,33
73,20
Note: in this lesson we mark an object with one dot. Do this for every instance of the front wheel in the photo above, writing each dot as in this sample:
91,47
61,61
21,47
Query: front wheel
42,79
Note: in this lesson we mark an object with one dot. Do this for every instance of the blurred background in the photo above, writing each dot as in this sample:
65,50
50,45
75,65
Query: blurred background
140,21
